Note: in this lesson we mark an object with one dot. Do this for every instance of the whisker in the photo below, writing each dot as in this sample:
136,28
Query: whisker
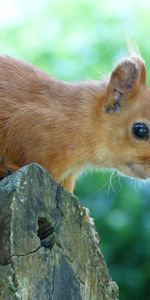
107,184
119,179
111,183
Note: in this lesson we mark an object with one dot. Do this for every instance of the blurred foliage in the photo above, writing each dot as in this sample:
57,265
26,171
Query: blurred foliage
77,40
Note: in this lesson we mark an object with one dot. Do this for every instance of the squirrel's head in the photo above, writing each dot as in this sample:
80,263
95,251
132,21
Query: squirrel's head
126,117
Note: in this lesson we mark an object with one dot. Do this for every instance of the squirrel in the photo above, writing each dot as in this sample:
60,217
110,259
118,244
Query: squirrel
67,127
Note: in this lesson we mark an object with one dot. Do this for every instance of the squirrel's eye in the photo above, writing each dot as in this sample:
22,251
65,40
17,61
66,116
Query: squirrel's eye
140,131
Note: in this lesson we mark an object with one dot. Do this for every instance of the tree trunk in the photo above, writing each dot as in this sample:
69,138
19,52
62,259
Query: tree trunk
48,243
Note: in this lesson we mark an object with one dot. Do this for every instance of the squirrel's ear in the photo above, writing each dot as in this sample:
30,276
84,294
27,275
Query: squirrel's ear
124,82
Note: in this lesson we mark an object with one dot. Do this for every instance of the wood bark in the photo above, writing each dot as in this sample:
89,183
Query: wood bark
48,244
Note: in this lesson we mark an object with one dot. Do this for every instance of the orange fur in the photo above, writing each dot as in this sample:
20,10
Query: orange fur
66,127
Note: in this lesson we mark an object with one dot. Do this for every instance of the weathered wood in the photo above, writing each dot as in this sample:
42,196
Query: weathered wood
48,243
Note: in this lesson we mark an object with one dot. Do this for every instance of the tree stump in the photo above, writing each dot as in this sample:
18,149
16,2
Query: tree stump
48,243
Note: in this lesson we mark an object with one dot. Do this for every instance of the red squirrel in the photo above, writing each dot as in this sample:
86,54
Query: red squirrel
67,127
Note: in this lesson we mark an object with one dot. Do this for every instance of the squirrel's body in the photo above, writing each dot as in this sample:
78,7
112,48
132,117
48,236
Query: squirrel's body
66,127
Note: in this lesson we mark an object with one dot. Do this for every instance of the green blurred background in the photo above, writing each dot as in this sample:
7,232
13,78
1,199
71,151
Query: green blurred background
78,40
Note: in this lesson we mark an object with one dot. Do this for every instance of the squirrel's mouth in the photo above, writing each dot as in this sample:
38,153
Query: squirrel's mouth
138,170
135,170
